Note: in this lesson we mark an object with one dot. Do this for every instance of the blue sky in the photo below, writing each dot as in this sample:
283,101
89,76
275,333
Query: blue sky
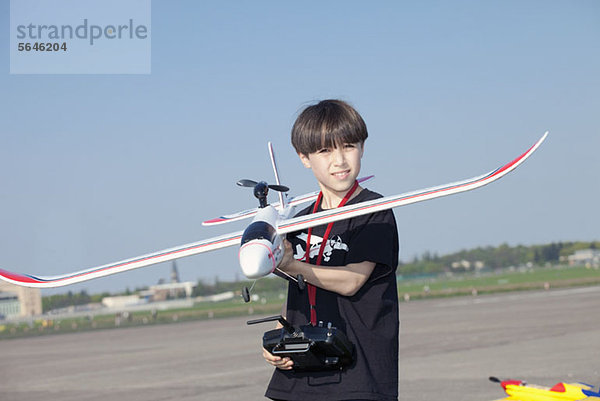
97,168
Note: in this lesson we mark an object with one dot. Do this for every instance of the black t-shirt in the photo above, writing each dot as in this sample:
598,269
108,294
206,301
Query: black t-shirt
369,318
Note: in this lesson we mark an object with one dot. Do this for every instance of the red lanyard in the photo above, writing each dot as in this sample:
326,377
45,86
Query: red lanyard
312,290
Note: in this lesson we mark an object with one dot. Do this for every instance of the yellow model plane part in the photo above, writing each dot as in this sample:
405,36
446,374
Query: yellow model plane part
572,392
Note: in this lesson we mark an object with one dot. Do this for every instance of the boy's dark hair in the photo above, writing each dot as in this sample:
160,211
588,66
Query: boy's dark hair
326,124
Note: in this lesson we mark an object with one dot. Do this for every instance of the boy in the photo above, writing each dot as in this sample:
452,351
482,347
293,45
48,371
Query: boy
350,283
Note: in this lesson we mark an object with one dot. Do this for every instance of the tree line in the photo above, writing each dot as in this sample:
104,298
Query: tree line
496,257
59,301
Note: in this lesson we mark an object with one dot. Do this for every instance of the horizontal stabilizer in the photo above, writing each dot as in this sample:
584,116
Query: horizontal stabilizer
297,200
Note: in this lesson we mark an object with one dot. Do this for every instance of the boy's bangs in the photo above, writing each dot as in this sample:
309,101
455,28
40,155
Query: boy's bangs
323,138
336,138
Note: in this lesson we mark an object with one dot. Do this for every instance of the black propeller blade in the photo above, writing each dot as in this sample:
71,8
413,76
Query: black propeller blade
279,188
496,380
247,183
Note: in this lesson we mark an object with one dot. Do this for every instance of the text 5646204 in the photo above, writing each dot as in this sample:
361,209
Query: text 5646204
42,47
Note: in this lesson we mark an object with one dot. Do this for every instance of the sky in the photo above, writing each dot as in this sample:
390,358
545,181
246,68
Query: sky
96,168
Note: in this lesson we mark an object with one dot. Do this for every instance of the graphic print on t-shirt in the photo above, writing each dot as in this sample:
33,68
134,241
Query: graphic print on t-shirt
332,244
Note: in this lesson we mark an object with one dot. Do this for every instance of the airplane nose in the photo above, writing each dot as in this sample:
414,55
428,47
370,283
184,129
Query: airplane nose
256,259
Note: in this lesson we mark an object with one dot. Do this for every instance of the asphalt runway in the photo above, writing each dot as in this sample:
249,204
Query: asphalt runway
448,348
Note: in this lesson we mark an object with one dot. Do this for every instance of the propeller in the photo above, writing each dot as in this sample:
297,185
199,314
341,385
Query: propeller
261,189
252,184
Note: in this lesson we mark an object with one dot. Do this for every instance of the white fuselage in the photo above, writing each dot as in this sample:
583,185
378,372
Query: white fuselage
261,248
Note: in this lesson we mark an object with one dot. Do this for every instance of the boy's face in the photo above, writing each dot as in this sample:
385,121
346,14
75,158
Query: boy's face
336,168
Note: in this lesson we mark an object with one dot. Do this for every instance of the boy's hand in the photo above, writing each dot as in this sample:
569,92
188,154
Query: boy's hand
277,361
288,255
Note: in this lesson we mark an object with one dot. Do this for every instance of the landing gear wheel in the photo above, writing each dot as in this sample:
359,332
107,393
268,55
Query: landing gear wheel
301,282
246,294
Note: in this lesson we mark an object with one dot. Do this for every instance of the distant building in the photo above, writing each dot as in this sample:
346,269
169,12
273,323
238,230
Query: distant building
162,292
466,265
19,301
585,257
9,304
123,301
174,273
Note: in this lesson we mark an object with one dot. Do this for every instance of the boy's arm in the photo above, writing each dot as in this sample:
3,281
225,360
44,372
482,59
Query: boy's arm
344,280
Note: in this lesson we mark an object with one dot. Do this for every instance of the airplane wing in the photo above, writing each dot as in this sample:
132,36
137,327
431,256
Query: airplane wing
251,212
388,202
286,226
194,248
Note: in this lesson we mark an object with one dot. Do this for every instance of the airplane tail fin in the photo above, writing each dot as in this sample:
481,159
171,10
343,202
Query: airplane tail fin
282,197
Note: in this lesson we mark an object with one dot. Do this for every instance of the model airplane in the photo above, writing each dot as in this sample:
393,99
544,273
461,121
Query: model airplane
262,241
521,391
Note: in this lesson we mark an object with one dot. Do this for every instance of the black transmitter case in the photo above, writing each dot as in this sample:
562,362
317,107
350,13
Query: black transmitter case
310,347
